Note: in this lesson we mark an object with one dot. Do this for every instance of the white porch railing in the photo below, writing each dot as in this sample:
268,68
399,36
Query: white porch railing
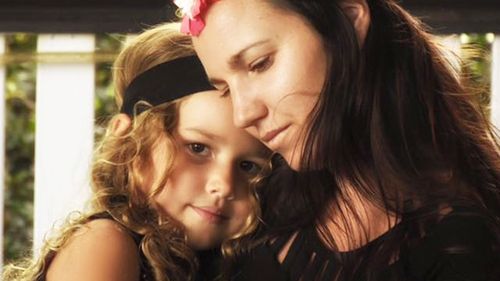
64,128
64,131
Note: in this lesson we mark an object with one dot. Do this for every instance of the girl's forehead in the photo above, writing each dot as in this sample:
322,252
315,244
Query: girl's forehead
206,110
210,115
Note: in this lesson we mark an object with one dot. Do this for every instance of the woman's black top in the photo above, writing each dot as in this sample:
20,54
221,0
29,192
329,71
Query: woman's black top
458,247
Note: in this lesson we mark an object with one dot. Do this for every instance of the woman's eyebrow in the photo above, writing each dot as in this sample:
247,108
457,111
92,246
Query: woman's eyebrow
235,60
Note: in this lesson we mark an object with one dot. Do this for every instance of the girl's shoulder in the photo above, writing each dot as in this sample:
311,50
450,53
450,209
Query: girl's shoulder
101,249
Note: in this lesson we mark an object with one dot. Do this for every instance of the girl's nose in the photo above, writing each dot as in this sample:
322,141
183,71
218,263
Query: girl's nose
221,183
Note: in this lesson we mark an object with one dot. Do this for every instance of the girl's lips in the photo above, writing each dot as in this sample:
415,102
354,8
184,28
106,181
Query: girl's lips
212,215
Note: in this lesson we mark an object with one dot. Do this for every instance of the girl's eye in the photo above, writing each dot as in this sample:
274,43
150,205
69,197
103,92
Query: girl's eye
198,148
261,64
226,92
250,167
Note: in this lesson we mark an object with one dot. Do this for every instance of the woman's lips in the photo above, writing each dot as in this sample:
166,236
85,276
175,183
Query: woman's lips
211,214
271,135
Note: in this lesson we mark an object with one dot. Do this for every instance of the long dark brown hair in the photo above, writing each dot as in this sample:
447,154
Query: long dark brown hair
396,121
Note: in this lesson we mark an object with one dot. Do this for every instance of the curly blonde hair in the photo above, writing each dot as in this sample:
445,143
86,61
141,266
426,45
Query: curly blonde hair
117,172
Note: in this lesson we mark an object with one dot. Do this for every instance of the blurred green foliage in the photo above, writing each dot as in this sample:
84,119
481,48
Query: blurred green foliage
20,146
476,55
20,125
20,134
104,92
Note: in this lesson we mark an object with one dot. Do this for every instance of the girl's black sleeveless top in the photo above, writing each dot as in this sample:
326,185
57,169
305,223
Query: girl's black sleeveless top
459,247
209,260
146,274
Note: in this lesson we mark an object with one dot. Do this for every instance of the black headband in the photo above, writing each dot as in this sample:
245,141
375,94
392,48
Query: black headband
166,82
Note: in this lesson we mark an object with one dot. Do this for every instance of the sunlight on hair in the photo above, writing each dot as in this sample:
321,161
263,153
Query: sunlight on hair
464,38
490,37
451,49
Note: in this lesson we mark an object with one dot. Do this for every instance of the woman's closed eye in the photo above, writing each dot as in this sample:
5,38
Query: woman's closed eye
261,64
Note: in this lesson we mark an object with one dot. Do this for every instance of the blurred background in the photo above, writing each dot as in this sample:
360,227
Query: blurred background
55,62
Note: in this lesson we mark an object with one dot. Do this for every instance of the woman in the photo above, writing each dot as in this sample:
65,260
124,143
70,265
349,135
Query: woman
172,178
395,170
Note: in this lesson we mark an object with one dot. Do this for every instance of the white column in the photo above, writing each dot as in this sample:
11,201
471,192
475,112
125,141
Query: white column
453,45
2,143
64,132
495,81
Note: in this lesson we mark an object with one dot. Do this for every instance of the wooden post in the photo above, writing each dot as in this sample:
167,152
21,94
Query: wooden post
64,132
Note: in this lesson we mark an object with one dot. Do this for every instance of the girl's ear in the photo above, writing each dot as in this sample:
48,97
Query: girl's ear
359,14
120,124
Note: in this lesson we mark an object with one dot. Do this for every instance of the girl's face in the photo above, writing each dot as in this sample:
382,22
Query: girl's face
208,188
273,65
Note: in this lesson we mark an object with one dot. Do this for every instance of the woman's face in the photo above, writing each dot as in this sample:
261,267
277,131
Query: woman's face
273,65
207,190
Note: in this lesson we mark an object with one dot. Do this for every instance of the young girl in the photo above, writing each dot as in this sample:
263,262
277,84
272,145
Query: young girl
396,171
173,177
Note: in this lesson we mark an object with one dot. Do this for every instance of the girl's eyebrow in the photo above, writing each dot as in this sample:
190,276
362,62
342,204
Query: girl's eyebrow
203,132
216,82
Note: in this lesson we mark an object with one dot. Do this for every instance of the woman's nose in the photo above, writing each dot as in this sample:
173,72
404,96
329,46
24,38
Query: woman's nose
248,106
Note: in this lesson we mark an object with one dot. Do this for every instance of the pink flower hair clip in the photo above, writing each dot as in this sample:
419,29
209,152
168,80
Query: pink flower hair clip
192,12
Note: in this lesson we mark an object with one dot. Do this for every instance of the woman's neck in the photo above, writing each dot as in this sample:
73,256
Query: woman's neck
353,221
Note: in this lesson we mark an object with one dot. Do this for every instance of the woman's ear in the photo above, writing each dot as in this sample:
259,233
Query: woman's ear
120,124
358,12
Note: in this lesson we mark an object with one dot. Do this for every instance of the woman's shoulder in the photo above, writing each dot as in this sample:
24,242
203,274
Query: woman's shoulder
471,228
101,249
464,243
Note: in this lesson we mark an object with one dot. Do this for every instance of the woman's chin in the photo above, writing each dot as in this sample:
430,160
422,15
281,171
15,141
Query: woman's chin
293,160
